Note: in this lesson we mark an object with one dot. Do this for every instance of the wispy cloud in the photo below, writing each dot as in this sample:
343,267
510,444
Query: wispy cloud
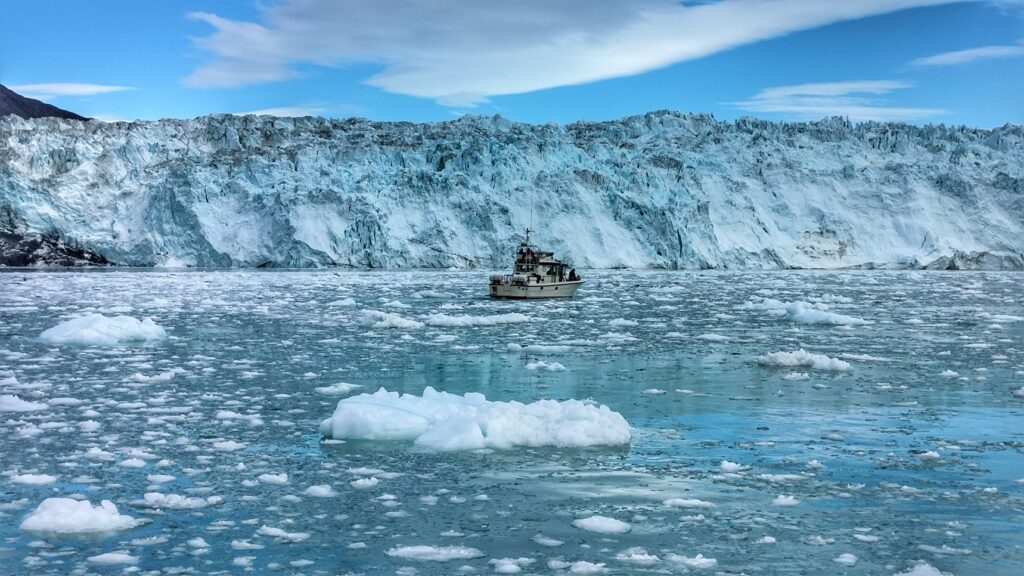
460,53
816,101
970,55
287,111
53,90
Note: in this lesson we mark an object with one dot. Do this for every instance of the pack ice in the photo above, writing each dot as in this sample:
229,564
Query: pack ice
447,422
663,189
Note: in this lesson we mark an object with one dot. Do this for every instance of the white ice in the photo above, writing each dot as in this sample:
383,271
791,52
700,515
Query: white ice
100,330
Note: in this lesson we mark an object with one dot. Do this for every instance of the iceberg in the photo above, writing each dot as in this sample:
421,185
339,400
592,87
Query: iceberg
67,517
448,422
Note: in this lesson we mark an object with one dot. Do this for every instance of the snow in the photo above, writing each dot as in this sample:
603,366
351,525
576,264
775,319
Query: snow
803,358
129,207
100,330
446,422
435,553
602,525
65,516
9,403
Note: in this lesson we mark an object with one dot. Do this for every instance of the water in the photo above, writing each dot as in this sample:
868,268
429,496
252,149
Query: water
849,447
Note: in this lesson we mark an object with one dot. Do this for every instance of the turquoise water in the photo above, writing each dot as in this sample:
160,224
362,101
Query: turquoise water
676,353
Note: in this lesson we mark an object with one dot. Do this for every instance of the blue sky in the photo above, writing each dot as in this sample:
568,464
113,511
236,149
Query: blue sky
532,60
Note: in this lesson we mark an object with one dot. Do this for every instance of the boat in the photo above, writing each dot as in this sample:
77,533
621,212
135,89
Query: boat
536,274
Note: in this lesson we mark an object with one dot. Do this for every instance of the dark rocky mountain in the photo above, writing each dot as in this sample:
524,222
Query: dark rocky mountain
13,103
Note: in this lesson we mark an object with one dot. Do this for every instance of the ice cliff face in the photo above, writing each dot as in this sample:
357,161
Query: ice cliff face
663,189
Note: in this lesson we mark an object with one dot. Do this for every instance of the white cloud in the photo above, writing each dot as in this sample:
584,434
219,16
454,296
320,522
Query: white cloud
461,52
46,92
816,101
970,55
284,111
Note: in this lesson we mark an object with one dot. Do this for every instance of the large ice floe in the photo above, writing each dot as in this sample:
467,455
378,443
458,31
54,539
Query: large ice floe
802,357
68,517
443,421
100,330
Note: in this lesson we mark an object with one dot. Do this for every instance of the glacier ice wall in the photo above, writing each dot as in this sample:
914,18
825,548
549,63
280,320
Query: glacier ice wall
663,189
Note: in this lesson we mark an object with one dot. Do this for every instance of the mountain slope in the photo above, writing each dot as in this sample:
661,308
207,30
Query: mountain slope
663,189
13,103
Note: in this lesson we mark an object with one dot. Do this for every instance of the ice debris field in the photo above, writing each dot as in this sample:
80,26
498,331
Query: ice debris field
327,422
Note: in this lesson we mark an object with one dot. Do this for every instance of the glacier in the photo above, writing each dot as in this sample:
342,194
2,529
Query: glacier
659,190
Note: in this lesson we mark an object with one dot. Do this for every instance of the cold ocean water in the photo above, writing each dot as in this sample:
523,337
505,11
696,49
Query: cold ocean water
894,443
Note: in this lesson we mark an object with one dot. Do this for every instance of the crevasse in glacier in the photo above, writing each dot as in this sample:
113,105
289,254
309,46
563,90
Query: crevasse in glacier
663,189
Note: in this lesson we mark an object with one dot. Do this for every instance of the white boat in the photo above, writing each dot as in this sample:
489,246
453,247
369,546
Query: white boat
536,274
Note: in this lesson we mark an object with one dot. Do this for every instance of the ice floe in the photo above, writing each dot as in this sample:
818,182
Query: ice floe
65,516
9,403
803,358
602,525
443,421
464,320
100,330
435,553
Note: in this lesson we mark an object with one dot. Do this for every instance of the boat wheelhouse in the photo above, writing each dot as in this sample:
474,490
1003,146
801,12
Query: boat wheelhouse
536,274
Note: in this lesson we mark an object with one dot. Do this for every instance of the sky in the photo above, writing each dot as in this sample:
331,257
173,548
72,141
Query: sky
918,61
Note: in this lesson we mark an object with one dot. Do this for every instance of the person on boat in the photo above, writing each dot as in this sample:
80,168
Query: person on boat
572,275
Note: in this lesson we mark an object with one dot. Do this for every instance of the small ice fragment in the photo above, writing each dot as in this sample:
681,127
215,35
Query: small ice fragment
785,501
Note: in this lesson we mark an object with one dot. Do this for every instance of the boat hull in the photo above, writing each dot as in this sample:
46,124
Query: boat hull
535,291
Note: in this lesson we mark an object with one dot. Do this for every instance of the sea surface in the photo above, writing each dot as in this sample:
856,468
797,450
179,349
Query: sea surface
914,453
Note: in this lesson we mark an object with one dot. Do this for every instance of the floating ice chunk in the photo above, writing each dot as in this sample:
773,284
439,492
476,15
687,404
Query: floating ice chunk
538,348
132,463
949,374
65,516
546,541
845,559
510,565
542,365
112,558
37,479
252,419
699,561
9,403
100,330
922,569
785,501
378,319
929,455
228,445
442,421
653,392
637,556
578,567
796,376
804,313
622,322
281,534
364,483
712,337
766,540
273,479
803,358
465,320
602,525
731,467
339,389
1019,392
320,491
688,503
198,542
435,553
176,501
